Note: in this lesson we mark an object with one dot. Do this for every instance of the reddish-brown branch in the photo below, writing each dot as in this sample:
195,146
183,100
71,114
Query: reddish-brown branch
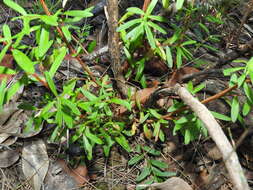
214,97
145,5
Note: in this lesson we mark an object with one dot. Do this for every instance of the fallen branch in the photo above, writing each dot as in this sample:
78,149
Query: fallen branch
228,154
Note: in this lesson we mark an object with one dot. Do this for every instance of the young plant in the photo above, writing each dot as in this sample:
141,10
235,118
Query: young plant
154,170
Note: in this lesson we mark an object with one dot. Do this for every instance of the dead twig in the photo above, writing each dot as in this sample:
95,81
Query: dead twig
228,154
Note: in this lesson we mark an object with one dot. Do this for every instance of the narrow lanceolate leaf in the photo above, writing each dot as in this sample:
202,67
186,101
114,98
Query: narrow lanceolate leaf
151,7
135,159
121,140
157,27
250,69
50,20
179,4
144,173
235,109
135,10
51,83
92,137
221,116
150,36
44,43
7,32
179,57
121,102
71,105
2,92
129,24
169,57
159,164
15,7
57,62
77,13
23,61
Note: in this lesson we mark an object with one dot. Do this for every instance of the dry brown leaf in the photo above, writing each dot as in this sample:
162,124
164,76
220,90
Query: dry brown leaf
80,174
11,127
8,158
7,61
178,75
35,162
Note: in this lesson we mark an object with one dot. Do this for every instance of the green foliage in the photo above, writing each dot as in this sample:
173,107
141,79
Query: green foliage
154,170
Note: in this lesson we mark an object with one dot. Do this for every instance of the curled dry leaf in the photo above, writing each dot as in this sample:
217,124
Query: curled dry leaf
11,127
35,162
7,111
8,158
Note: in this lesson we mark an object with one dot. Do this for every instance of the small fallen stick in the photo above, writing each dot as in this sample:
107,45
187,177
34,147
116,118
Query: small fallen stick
228,153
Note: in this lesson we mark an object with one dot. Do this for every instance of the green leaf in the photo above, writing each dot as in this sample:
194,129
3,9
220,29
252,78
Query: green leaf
151,151
57,62
135,33
187,136
150,36
247,106
2,92
144,173
89,95
157,18
179,57
77,13
250,69
92,137
248,91
68,119
140,68
241,79
129,24
124,103
71,105
7,32
87,147
221,116
50,83
15,7
179,4
121,140
235,109
165,4
169,57
151,7
23,61
204,28
228,71
198,88
157,27
66,32
189,42
5,70
50,20
135,159
44,43
155,113
159,164
159,173
135,10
